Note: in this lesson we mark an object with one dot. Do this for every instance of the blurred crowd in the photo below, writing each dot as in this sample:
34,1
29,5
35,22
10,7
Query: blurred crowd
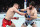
38,8
4,5
4,9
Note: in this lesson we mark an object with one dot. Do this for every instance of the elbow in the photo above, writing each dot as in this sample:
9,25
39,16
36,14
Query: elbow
35,17
20,14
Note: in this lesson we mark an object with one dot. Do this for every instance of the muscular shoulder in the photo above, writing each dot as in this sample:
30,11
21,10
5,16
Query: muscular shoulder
11,9
35,10
27,8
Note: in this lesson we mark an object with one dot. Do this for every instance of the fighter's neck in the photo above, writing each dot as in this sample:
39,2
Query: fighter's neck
33,7
14,7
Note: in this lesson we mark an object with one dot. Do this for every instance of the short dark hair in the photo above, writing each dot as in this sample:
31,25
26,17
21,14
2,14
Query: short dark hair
16,3
32,3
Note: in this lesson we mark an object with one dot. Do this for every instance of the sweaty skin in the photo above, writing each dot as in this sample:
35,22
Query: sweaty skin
10,13
32,13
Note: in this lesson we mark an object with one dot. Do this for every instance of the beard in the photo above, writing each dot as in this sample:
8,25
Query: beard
30,8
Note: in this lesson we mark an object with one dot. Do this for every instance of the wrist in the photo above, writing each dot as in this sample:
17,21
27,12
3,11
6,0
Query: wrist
25,11
19,9
14,17
28,16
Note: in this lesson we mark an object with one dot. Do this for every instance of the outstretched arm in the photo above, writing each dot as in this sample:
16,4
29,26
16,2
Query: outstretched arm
19,12
23,9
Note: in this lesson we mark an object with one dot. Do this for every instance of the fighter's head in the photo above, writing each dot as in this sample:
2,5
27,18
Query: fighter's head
16,5
32,4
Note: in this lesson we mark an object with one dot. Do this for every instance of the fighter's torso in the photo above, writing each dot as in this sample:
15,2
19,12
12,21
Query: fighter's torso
30,12
9,14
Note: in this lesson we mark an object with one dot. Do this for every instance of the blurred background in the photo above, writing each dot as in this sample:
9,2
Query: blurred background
5,4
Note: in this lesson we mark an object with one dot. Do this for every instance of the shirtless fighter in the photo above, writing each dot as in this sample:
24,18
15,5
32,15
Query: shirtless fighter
30,16
9,15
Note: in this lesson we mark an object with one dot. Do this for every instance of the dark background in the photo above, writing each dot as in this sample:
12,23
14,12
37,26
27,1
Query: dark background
37,2
9,3
5,4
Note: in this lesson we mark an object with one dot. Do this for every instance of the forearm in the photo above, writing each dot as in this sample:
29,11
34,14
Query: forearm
22,9
33,17
22,13
14,18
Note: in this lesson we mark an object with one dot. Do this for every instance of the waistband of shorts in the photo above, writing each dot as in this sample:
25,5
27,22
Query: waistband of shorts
29,20
6,19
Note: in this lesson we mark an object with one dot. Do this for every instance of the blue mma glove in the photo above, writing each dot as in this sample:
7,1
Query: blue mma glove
28,16
19,9
25,11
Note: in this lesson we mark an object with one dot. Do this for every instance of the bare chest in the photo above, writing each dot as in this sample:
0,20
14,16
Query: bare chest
30,12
